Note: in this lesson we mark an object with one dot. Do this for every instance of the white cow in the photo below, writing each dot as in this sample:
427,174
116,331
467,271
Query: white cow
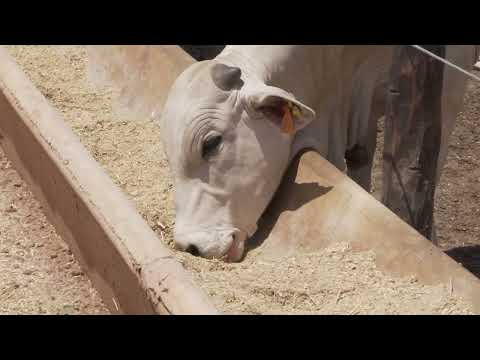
231,125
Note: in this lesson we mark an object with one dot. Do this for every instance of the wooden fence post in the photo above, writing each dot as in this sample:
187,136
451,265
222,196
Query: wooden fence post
413,126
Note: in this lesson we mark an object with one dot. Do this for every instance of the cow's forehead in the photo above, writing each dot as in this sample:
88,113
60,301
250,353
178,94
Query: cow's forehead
193,91
195,81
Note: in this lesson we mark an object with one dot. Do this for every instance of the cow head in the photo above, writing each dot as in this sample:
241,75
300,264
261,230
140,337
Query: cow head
222,134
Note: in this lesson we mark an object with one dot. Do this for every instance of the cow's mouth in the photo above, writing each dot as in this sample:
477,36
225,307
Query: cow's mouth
227,245
236,251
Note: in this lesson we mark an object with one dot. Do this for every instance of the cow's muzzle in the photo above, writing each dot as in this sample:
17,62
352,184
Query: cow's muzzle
226,244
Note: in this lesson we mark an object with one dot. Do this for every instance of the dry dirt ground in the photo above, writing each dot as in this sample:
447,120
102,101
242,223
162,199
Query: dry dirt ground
332,281
38,274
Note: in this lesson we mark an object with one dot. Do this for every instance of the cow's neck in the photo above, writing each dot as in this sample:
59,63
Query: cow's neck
320,76
288,67
312,73
315,74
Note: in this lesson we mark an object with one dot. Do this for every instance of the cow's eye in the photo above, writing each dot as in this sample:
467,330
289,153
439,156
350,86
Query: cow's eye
210,146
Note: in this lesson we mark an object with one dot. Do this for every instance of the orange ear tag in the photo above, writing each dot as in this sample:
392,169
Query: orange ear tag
287,121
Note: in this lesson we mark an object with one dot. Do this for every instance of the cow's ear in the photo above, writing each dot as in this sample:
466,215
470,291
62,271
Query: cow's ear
281,108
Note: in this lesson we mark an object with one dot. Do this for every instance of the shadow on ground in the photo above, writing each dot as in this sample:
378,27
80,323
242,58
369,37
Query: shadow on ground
468,256
290,196
203,52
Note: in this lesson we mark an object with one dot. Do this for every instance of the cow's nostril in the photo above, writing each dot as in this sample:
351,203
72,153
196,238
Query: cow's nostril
192,249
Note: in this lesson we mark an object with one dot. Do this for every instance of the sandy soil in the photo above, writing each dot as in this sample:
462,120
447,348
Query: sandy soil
38,274
332,281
